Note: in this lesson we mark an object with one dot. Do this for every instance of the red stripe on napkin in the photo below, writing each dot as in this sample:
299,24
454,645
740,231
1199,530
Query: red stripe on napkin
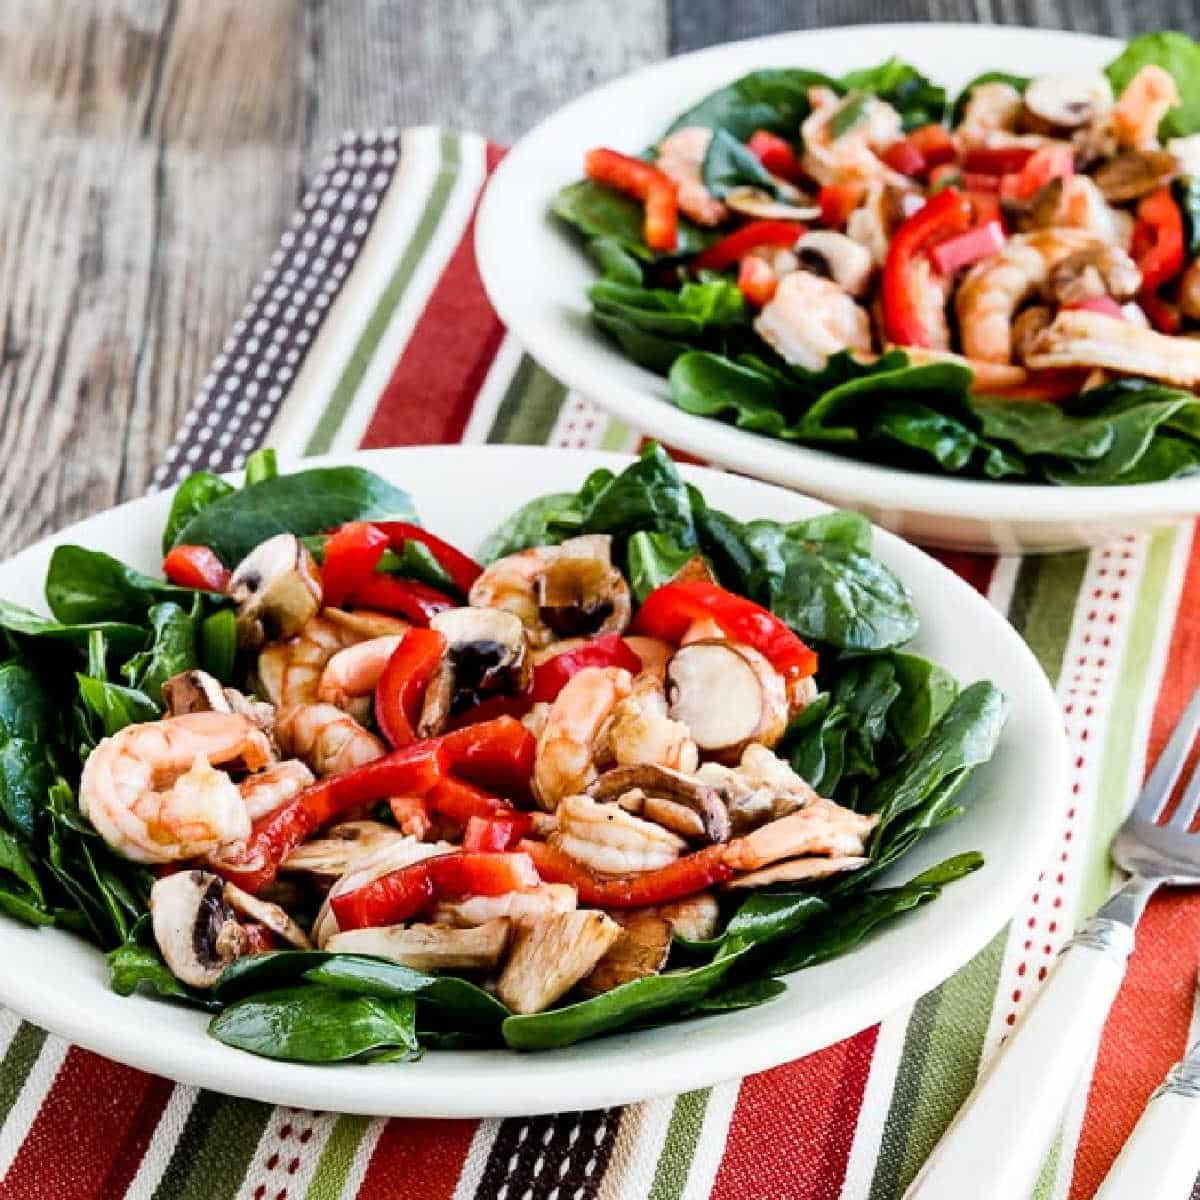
1147,1031
431,392
418,1158
89,1111
137,1139
792,1129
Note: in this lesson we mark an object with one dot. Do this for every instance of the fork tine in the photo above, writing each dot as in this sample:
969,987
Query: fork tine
1157,791
1189,802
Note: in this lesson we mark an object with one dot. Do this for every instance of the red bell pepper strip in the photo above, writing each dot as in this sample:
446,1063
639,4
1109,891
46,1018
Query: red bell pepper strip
837,201
756,281
491,708
351,556
493,754
1054,160
500,832
409,598
196,567
462,569
643,181
981,242
942,216
904,157
458,802
670,610
738,244
997,160
412,771
934,144
402,894
684,877
607,650
1158,251
1099,304
978,181
775,154
401,687
985,206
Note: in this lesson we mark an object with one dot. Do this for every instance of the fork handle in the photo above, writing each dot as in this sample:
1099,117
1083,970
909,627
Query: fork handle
1162,1155
994,1148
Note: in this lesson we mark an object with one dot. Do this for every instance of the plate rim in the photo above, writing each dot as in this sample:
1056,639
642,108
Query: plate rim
689,1062
785,463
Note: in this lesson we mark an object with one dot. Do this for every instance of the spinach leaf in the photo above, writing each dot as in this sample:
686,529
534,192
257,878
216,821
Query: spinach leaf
1036,427
134,967
918,100
740,995
545,521
218,644
648,494
1020,82
193,495
27,709
926,692
600,212
25,623
654,351
768,916
615,262
85,586
654,559
775,99
711,385
262,972
172,650
21,892
302,503
729,164
1166,457
115,706
261,465
696,311
459,1000
1176,53
315,1024
25,778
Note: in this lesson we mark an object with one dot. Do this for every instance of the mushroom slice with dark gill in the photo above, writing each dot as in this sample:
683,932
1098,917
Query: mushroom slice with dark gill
655,781
195,928
754,202
268,914
728,695
581,596
276,588
486,655
1060,104
1133,174
198,691
835,256
640,950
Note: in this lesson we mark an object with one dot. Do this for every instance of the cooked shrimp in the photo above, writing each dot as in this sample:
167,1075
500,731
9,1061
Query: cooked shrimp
350,676
1079,338
330,741
610,841
993,289
1083,207
799,870
577,722
822,828
289,672
154,795
1139,110
991,115
868,224
811,318
930,290
558,591
681,157
264,791
850,158
643,732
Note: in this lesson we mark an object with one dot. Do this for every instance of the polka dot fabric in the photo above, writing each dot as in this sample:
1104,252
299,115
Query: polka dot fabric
270,340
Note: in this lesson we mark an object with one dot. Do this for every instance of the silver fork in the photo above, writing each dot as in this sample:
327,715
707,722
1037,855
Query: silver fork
997,1142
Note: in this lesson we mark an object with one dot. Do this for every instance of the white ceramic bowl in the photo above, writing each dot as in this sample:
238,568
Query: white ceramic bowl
1013,806
536,275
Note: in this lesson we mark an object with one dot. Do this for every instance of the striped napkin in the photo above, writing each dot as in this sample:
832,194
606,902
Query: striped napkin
370,328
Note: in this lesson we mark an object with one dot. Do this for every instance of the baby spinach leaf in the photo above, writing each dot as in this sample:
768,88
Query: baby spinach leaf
217,644
848,115
261,465
654,558
775,99
172,650
918,100
740,995
926,692
767,916
711,385
729,164
26,706
1020,82
695,311
85,586
195,493
25,779
615,262
1035,427
18,876
545,521
315,1024
261,972
133,967
815,744
26,623
116,706
305,502
458,999
1166,457
654,351
923,431
600,212
1176,53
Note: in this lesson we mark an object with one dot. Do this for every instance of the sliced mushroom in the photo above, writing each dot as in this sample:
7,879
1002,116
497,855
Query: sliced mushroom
754,202
676,817
194,926
1026,327
193,692
545,900
1133,174
1057,104
578,597
662,782
276,588
1097,271
641,950
549,957
835,256
728,695
342,846
486,655
429,947
798,870
760,789
268,914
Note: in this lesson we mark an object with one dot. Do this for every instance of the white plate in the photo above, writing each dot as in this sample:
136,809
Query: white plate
1013,806
536,275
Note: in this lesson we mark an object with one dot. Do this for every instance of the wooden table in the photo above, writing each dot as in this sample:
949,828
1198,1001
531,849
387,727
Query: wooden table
153,150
